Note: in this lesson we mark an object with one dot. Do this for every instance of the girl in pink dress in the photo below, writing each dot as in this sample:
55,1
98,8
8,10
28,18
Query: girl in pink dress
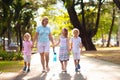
27,49
76,46
64,49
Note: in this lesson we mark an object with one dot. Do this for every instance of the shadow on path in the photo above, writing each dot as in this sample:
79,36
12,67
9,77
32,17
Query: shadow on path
20,75
41,76
89,68
64,76
79,76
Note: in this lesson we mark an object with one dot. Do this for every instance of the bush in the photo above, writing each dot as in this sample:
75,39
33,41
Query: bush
18,56
10,56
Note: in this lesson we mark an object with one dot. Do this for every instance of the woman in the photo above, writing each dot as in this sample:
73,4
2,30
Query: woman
43,36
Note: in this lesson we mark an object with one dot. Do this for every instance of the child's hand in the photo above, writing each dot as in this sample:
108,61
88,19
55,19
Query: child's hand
70,49
32,46
53,46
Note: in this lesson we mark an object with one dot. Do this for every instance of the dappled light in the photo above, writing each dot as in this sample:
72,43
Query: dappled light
49,52
107,54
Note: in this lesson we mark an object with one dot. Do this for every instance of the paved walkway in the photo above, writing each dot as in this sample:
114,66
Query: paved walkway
91,69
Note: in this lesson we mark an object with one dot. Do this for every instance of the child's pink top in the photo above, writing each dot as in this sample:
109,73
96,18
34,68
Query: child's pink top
27,47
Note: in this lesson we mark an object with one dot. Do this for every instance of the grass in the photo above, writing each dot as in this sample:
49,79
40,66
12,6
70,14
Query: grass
10,66
111,54
108,54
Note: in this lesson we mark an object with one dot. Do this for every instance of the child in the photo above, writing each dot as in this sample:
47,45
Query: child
27,48
64,49
76,46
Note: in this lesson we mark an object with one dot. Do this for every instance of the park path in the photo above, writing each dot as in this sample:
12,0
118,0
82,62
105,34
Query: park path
91,69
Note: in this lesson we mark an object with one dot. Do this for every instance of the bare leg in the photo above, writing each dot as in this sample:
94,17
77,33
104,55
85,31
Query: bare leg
62,66
78,61
47,60
25,64
65,65
42,60
75,62
28,65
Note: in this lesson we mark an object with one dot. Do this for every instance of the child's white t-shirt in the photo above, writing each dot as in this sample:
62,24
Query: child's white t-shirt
76,43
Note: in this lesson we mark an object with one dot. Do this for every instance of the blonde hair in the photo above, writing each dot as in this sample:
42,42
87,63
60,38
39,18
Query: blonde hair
44,18
27,34
75,29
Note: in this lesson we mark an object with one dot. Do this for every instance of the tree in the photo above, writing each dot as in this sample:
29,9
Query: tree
111,28
6,15
86,33
17,17
117,2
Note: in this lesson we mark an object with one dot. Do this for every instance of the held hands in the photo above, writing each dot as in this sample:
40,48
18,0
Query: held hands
53,46
69,50
34,44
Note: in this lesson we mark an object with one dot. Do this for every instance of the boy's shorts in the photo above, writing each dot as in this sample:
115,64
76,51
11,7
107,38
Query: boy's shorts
27,58
76,55
43,47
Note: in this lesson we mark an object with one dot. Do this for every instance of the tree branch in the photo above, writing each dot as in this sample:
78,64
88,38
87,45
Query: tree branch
117,2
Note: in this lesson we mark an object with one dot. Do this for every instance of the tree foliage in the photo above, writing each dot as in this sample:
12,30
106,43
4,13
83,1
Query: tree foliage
87,32
87,18
117,2
16,17
58,19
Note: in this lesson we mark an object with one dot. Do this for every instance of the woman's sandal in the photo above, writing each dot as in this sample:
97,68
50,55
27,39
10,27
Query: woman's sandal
43,71
64,71
48,69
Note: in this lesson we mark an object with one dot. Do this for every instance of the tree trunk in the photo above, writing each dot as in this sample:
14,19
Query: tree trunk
9,31
20,40
3,35
20,37
86,40
98,17
9,27
3,42
83,16
9,37
111,28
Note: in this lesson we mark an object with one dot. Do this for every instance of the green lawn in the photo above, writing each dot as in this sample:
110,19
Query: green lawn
11,66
